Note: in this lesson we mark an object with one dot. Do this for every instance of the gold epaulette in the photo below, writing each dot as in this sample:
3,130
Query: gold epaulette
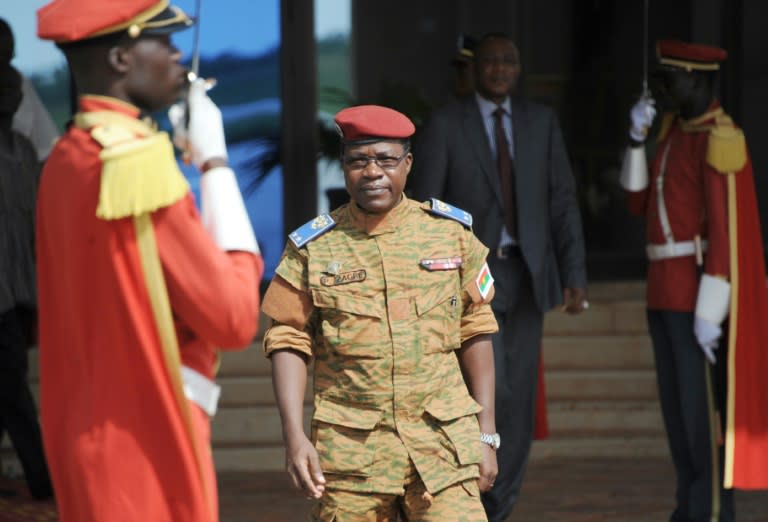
139,171
727,148
666,125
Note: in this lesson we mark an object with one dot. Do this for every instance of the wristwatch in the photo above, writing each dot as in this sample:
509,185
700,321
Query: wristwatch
492,439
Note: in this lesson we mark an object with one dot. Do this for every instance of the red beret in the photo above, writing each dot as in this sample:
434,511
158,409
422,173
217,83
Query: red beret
372,123
690,56
72,20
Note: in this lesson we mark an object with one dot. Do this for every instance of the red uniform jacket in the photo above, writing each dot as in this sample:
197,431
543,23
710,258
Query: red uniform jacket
696,204
113,426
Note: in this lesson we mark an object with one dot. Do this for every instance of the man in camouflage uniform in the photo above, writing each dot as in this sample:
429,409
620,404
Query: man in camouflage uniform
389,298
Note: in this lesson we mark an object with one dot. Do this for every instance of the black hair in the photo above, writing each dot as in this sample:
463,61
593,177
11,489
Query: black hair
85,55
7,43
10,75
103,41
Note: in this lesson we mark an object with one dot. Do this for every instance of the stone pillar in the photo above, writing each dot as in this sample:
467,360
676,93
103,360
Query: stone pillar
298,89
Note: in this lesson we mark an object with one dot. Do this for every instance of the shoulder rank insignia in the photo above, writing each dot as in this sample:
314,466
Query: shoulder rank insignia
440,208
311,230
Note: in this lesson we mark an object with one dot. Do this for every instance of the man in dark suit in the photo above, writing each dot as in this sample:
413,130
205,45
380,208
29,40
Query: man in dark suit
19,172
523,201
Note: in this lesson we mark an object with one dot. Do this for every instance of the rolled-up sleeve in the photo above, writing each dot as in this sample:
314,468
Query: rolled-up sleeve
479,320
281,336
289,304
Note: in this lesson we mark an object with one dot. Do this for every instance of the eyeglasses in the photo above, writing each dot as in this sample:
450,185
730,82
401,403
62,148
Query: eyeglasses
383,162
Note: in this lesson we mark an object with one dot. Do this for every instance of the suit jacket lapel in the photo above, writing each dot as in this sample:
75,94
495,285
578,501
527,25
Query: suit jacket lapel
478,142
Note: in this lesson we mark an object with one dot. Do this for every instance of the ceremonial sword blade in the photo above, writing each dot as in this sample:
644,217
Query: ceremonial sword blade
646,92
192,75
195,65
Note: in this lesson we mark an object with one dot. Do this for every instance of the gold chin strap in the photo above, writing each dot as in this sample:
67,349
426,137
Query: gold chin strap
143,20
690,66
180,17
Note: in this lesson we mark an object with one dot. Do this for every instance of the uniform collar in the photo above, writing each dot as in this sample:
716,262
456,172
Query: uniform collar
106,111
703,122
95,103
377,224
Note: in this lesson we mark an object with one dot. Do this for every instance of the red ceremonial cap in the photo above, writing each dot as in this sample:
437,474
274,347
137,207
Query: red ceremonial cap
372,123
71,20
690,56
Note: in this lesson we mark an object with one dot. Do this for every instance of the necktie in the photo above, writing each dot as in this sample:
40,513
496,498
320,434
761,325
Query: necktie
506,173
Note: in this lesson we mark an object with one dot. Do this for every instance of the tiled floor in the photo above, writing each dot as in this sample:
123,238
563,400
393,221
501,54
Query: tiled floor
556,490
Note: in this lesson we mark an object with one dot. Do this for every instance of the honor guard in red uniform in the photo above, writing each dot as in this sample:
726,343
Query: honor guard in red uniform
137,291
707,298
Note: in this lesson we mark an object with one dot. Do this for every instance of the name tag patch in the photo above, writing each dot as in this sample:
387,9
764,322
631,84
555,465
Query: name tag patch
354,276
442,263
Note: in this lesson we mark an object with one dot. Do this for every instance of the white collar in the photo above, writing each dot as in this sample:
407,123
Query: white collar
487,107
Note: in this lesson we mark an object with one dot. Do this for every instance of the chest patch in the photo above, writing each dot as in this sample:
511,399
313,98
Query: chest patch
354,276
442,263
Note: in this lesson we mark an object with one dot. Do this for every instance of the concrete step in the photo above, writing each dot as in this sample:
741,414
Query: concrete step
271,457
616,291
261,424
250,458
598,352
253,425
602,317
604,418
265,457
236,392
630,445
622,364
610,385
246,390
249,361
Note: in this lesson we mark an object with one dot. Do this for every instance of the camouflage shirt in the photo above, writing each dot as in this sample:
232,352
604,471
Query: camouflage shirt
389,298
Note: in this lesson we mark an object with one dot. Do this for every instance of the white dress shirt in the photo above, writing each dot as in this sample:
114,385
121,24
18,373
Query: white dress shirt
487,108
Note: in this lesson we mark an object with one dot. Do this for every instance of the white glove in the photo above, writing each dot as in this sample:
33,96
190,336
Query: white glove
641,116
708,334
204,138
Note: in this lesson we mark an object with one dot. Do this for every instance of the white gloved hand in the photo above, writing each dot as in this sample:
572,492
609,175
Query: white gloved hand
204,138
708,335
641,116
